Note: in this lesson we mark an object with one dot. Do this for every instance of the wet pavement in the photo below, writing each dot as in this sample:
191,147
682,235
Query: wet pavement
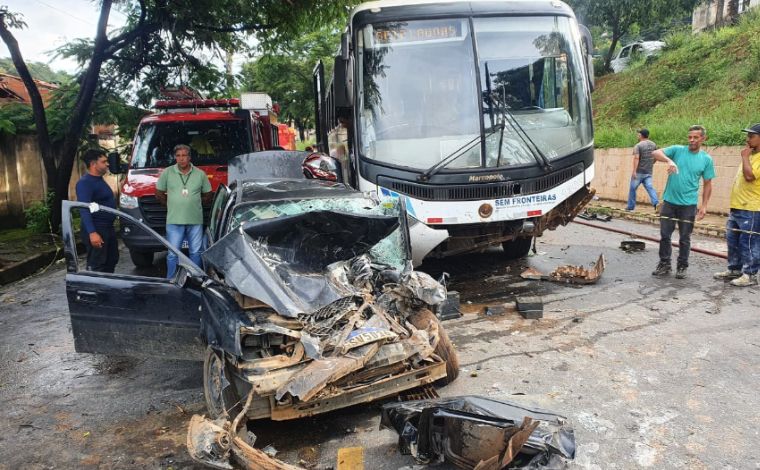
654,373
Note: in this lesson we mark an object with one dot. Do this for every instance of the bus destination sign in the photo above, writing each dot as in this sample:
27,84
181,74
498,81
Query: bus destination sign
417,31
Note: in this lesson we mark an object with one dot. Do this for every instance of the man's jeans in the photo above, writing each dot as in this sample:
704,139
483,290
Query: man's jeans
670,215
743,248
176,234
635,182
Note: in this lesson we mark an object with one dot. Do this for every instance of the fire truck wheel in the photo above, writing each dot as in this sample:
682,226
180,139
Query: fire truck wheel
141,259
517,248
421,319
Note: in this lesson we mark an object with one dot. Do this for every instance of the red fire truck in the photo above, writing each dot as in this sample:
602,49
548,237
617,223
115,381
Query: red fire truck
215,129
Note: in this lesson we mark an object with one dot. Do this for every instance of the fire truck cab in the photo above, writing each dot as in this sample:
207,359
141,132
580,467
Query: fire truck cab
215,129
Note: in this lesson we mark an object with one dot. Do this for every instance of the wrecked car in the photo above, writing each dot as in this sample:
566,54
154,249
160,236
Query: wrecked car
308,301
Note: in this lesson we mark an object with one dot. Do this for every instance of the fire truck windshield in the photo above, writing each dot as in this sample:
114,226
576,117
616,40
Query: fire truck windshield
211,142
422,93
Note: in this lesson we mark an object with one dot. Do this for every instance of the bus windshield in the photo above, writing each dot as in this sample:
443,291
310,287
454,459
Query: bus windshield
211,142
423,94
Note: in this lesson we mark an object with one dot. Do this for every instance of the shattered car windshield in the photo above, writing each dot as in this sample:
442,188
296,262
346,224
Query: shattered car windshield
388,251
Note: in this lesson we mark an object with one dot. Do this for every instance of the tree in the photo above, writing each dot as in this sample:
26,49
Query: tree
163,42
39,70
284,72
617,17
719,17
733,12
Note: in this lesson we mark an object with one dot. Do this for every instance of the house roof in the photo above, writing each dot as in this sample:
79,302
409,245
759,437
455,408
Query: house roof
12,89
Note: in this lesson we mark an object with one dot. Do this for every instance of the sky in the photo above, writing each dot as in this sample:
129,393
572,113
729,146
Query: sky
53,23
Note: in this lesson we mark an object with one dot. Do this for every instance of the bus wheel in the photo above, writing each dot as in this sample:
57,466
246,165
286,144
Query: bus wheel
141,259
422,320
517,248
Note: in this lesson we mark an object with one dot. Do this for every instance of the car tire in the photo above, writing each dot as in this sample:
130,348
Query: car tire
421,319
517,248
222,399
141,259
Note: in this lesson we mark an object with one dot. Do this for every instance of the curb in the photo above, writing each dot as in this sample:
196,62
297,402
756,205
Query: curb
27,267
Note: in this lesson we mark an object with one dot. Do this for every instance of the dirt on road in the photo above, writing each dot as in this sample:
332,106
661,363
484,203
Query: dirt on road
654,373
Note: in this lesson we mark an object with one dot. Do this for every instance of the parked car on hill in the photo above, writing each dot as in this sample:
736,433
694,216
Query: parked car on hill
645,48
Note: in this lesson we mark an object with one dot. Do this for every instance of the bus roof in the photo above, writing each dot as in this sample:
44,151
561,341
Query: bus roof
459,6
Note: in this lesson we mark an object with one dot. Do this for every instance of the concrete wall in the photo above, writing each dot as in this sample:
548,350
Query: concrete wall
705,14
614,167
23,179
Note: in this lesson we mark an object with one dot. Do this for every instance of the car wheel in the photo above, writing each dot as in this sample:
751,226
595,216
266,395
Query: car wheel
141,259
422,319
517,248
222,400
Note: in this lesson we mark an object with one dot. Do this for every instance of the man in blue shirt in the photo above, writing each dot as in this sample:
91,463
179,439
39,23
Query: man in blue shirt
686,166
98,234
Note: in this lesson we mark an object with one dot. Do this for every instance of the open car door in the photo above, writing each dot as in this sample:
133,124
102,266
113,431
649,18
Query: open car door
127,314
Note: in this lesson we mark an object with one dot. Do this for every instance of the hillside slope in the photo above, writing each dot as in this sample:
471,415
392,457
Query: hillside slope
711,79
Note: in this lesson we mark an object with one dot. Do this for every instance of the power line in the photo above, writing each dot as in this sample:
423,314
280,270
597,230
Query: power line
65,13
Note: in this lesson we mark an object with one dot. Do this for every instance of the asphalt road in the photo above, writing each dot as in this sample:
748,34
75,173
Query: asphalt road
653,373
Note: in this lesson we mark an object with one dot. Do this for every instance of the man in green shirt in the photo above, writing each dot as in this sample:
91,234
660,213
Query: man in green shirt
183,189
686,166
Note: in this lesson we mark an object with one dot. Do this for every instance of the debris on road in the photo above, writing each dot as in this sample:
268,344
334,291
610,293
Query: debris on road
632,245
533,274
586,215
569,274
480,433
531,308
449,309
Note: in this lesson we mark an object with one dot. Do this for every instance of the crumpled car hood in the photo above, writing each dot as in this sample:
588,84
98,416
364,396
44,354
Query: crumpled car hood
281,261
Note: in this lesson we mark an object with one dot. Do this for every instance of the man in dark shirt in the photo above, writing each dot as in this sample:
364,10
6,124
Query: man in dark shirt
98,234
642,170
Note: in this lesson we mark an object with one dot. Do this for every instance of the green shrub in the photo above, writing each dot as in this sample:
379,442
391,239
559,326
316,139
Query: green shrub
38,215
711,78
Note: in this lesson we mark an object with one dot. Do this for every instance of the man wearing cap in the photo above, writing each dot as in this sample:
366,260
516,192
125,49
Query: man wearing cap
743,225
642,170
687,164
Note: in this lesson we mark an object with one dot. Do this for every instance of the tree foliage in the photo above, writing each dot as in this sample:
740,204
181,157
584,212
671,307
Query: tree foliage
618,17
39,70
163,43
285,73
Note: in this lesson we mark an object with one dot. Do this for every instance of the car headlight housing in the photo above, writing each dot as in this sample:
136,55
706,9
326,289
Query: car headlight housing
127,202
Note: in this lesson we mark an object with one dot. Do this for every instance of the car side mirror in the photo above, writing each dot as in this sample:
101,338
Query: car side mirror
322,167
185,278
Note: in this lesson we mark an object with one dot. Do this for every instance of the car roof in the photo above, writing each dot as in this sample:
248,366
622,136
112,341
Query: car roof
264,189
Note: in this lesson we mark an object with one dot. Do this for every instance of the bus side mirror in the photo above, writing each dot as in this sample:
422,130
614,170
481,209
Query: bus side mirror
343,83
344,46
114,163
588,50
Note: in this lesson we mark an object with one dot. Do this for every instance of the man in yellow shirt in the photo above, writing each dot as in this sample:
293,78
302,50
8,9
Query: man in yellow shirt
743,226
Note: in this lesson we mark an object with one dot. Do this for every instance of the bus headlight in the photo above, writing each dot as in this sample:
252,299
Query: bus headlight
127,202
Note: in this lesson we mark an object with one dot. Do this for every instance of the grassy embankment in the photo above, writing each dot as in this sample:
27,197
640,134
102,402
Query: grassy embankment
711,78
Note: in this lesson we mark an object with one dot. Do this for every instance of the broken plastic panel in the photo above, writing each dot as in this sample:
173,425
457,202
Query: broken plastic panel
479,432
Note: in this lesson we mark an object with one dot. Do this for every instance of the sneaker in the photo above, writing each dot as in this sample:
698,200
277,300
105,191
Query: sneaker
744,281
681,272
728,274
662,269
